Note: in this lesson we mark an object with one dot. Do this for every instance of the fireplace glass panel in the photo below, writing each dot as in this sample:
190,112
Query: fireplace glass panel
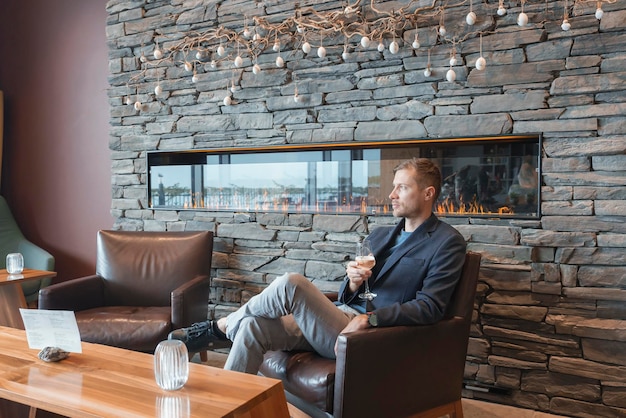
482,177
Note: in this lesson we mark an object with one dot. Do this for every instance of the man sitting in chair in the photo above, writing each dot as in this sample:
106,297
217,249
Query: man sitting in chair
418,264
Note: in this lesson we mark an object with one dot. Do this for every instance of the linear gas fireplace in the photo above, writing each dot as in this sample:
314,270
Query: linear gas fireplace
485,177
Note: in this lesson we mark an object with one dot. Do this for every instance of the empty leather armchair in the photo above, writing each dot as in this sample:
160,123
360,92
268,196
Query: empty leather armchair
146,285
13,241
386,372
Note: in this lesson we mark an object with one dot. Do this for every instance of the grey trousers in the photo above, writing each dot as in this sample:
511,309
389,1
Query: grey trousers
290,314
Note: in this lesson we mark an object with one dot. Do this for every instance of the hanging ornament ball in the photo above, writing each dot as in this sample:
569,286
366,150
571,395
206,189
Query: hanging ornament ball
228,101
453,61
321,52
427,72
481,63
213,64
442,30
220,51
306,47
381,46
566,25
256,69
599,13
246,32
522,19
256,37
143,58
280,62
300,29
158,54
137,105
238,61
296,97
199,55
188,66
158,90
501,11
470,19
276,46
129,101
194,78
345,55
365,42
451,75
415,44
393,47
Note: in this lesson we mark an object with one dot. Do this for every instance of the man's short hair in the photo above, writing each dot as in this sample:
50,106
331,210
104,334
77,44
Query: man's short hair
426,173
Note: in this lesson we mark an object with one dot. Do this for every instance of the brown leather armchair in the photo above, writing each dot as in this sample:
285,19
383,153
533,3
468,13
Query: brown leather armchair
397,371
146,285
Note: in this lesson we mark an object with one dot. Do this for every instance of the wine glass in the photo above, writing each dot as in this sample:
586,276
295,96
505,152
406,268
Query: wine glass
365,259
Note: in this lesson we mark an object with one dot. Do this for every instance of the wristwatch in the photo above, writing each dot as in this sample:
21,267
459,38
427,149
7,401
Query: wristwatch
372,318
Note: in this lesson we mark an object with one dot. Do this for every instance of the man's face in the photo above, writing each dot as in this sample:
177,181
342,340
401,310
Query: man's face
407,199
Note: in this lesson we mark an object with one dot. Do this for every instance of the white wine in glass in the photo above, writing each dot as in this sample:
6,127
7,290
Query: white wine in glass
365,259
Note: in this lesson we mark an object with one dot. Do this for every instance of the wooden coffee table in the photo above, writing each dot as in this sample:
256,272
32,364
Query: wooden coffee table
105,381
12,296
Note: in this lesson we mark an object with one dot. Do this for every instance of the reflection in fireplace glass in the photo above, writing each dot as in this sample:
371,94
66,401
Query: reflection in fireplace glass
482,176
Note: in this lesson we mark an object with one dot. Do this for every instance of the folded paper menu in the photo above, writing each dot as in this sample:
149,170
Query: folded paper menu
51,328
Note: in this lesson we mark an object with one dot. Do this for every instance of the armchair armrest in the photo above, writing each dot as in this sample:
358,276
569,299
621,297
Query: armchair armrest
190,302
74,295
35,257
395,371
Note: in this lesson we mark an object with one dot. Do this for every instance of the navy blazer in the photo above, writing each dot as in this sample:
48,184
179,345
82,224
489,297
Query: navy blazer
418,279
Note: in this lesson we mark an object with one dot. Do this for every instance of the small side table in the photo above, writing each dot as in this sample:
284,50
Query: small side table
12,297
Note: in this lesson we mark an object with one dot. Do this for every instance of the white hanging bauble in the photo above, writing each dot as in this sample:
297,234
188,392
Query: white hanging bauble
194,78
256,68
321,52
296,97
213,64
427,72
280,62
416,43
220,51
300,29
365,42
501,11
599,13
451,75
566,25
238,61
306,47
246,32
129,101
143,58
442,30
522,19
481,63
256,37
393,47
188,66
276,46
470,19
200,55
158,90
381,46
158,54
453,61
137,105
345,54
228,101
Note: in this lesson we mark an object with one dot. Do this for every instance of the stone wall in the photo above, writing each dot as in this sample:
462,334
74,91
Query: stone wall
550,320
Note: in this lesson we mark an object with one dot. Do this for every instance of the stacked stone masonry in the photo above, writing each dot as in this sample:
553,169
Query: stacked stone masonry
549,328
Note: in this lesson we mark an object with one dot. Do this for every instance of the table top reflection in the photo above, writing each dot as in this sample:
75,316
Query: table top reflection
27,274
106,381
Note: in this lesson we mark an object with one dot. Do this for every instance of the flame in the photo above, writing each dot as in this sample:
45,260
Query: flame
451,207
